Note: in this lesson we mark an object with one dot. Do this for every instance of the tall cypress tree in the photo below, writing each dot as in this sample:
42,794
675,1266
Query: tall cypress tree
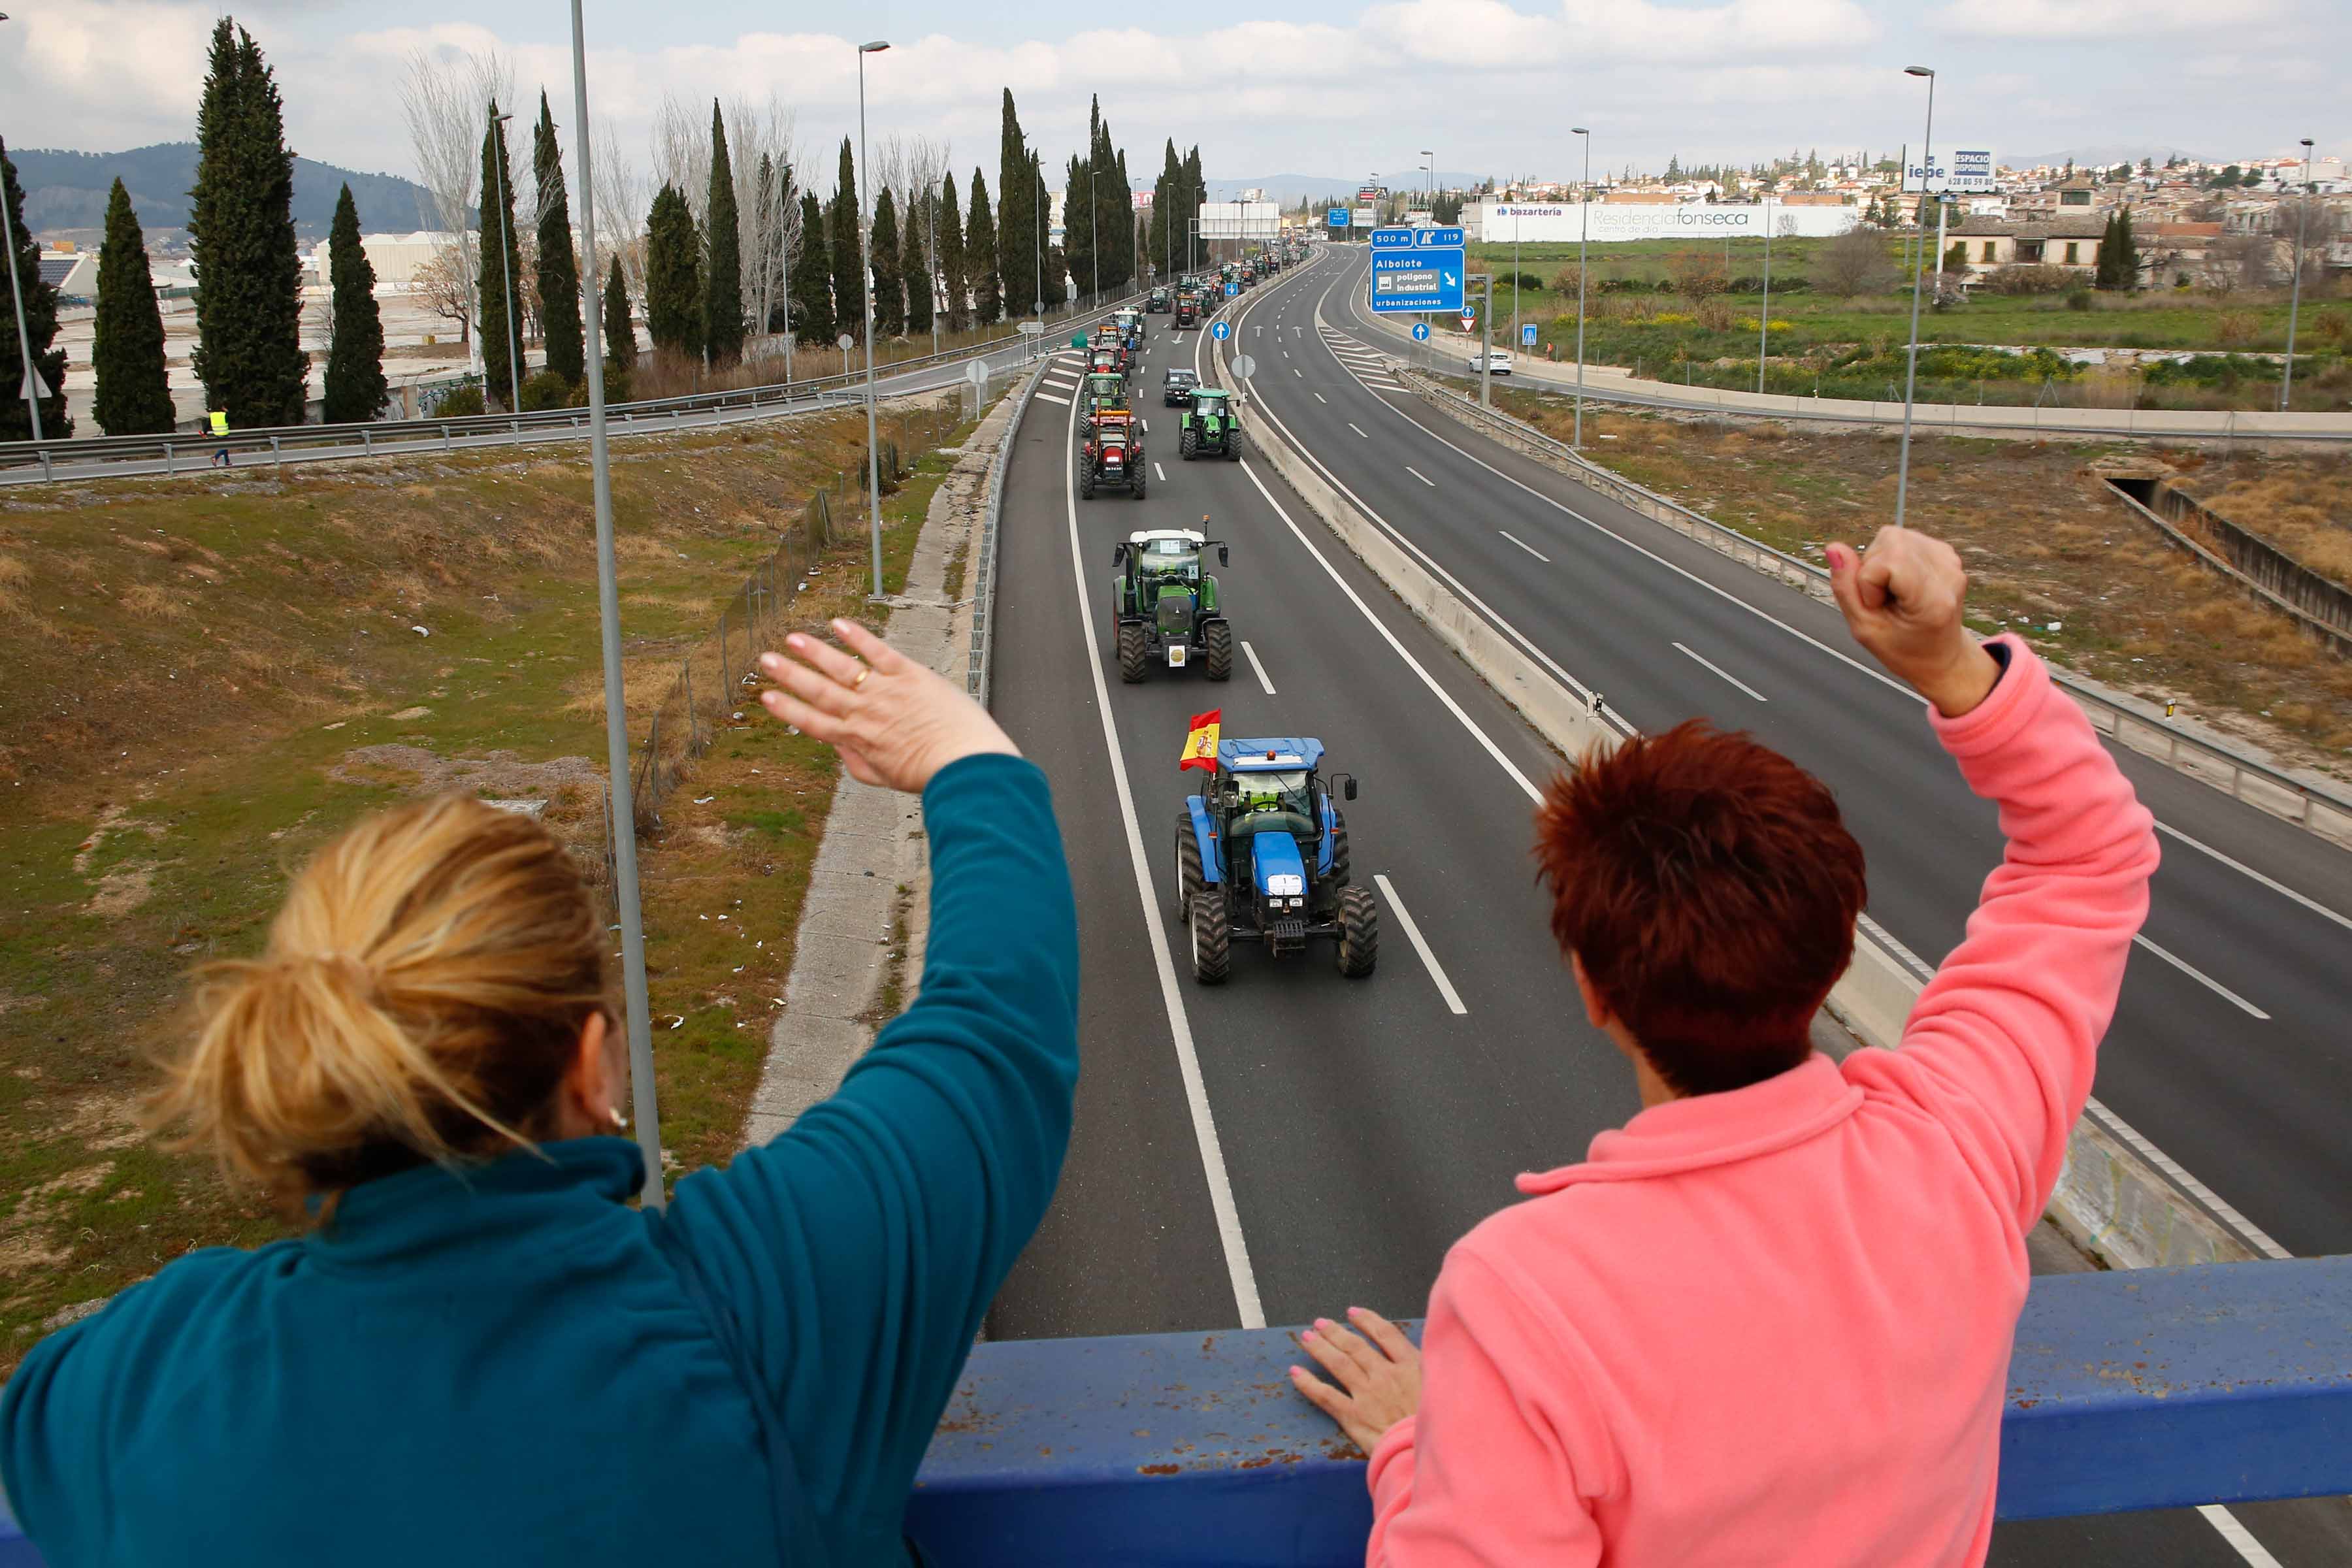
620,333
248,349
953,285
134,394
914,262
889,293
722,298
1169,214
811,278
841,238
673,274
356,388
500,271
979,253
1077,224
1054,285
1017,239
40,325
1120,219
1195,190
559,269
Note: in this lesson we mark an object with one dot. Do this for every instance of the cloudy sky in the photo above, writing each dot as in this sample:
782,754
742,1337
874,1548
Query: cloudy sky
1320,87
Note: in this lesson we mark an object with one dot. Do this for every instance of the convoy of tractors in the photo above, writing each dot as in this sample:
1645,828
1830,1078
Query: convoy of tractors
1262,851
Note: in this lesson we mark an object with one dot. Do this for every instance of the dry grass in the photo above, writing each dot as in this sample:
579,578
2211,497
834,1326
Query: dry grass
2045,544
2304,507
14,575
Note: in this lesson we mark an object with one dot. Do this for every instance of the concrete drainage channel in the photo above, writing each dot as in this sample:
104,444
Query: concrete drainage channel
2116,1200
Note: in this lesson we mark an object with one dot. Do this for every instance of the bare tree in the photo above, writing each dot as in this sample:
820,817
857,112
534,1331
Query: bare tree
681,152
1854,263
2245,261
621,200
913,166
761,142
447,286
445,99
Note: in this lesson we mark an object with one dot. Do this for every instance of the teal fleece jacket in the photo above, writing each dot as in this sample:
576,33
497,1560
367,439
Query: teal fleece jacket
513,1365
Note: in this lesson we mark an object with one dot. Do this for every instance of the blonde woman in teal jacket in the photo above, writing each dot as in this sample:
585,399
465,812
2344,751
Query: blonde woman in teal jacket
481,1351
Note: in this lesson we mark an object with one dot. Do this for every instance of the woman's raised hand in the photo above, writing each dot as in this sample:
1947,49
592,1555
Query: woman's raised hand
895,722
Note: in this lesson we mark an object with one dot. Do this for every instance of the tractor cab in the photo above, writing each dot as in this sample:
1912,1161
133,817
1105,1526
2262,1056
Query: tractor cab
1263,854
1103,389
1130,326
1103,359
1110,455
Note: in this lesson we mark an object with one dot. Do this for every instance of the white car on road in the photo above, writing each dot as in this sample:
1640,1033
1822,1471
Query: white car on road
1501,362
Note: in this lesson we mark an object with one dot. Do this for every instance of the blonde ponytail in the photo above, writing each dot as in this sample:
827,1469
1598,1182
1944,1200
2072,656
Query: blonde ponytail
421,997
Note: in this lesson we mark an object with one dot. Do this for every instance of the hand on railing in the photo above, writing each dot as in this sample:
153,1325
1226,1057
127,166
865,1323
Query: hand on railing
895,722
1378,1371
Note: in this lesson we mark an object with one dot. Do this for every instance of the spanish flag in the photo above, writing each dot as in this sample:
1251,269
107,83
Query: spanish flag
1201,745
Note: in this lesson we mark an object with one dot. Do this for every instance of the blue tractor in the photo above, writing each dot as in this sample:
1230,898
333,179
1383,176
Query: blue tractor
1264,855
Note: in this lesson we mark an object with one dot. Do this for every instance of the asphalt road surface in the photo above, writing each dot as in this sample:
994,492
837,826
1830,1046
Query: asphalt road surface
1294,1141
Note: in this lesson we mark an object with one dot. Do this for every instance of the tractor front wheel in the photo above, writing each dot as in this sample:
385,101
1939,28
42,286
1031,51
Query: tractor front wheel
1086,485
1189,880
1359,933
1134,653
1139,479
1187,444
1339,874
1217,649
1233,447
1213,939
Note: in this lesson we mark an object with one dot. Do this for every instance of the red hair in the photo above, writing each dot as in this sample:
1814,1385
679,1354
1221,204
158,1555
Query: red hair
1710,890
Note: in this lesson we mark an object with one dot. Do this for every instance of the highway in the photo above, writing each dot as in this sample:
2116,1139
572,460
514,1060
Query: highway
1294,1141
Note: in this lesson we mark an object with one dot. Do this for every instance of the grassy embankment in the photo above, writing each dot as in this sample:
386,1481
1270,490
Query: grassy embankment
1831,347
206,680
2049,553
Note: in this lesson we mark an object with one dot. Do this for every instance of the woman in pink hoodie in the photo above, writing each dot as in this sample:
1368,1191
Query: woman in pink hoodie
1768,1320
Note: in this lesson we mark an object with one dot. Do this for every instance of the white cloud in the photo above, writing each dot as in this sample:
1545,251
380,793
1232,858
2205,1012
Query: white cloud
1491,35
2053,20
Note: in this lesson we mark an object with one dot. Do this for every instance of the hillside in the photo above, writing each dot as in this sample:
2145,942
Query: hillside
66,190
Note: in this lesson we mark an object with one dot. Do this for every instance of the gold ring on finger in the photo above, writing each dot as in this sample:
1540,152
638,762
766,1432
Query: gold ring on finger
861,678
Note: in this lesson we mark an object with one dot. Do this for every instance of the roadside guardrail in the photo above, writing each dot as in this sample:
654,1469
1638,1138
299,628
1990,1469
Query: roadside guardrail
2307,802
983,566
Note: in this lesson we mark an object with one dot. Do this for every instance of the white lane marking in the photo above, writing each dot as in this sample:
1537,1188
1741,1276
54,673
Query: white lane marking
1158,472
2203,979
1321,398
2242,1539
1425,478
1413,935
1260,668
1187,1062
1049,397
1726,674
2314,905
1512,537
1147,425
1359,430
1388,637
1296,372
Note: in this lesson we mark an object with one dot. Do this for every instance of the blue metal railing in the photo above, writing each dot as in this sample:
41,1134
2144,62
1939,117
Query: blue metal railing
2159,1388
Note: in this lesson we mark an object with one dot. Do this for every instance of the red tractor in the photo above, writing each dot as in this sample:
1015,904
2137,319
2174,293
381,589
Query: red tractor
1110,455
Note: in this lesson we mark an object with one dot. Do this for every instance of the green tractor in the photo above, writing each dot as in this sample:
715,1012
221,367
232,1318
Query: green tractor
1209,429
1164,604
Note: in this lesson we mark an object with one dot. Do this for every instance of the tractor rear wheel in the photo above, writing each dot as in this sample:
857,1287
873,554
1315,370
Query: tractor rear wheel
1217,649
1086,484
1139,479
1339,875
1187,444
1189,880
1134,653
1359,933
1233,446
1213,939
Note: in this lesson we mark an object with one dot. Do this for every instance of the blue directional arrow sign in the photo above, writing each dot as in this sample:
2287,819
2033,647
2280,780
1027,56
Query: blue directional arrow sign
1421,332
1232,290
1417,270
1222,331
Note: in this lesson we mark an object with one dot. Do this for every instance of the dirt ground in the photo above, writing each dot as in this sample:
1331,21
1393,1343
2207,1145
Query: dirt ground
2051,556
206,680
2303,508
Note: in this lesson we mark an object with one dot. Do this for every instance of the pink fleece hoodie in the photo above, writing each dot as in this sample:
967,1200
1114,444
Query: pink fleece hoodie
1773,1326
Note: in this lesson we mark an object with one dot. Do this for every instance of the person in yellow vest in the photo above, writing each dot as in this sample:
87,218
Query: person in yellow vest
220,433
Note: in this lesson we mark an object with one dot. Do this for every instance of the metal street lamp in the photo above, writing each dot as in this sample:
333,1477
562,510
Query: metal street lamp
1583,250
1431,185
865,266
506,265
2295,300
621,829
1037,246
31,385
1918,272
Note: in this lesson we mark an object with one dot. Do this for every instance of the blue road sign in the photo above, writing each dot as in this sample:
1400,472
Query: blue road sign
1232,290
1421,332
1222,331
1527,336
1338,218
1417,270
1417,280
